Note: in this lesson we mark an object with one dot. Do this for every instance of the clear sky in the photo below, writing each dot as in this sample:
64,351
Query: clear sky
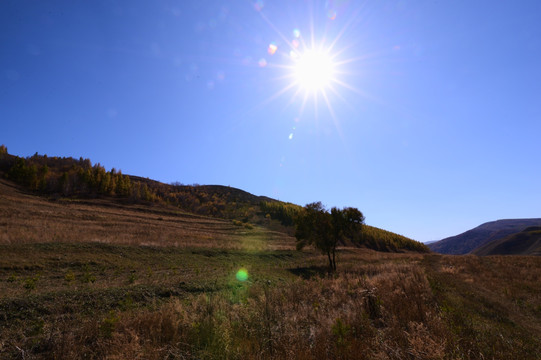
428,120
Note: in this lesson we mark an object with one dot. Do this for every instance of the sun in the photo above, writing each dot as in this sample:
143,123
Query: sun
313,70
315,64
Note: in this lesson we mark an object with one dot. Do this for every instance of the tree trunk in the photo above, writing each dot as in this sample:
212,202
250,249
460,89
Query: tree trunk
334,259
331,268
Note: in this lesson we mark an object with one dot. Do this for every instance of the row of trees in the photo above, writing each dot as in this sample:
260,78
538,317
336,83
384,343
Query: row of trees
77,180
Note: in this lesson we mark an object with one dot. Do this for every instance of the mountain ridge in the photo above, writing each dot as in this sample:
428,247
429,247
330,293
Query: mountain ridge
526,242
481,235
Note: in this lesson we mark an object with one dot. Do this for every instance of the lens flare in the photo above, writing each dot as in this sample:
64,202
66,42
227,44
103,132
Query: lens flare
272,48
258,5
242,275
331,14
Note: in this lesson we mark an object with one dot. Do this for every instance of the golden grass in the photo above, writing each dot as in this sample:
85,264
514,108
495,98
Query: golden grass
100,280
30,219
336,317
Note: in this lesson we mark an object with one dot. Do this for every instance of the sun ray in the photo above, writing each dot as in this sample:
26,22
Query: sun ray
303,105
279,93
337,93
343,29
294,97
282,36
358,91
364,57
333,116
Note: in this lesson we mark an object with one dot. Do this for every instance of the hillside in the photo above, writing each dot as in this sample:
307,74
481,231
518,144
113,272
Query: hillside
26,218
62,180
66,177
383,240
228,193
491,231
526,242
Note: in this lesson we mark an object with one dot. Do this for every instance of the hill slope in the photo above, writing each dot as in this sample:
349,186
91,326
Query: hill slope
491,231
26,218
79,182
526,242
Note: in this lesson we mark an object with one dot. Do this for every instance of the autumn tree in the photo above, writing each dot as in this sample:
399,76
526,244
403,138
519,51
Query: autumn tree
325,230
24,174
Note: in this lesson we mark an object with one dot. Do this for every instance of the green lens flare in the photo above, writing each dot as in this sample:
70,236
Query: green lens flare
242,275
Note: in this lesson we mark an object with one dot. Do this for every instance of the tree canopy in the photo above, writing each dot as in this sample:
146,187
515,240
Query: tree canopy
325,230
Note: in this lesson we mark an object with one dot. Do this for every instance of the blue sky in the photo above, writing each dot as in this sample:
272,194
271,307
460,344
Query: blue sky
431,125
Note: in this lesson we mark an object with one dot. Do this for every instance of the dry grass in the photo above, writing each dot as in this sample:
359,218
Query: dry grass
99,280
341,317
492,305
379,306
29,219
329,317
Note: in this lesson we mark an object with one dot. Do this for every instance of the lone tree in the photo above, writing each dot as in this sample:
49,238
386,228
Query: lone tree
325,230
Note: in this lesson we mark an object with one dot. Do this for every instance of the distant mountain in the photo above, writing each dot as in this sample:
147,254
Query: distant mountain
526,242
481,235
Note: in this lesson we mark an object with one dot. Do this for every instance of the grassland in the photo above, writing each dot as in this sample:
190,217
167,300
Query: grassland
97,279
26,218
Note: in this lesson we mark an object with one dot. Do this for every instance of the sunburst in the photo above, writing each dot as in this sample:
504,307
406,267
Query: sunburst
312,68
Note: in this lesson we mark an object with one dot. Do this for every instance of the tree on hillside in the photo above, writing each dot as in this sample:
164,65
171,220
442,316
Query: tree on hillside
325,230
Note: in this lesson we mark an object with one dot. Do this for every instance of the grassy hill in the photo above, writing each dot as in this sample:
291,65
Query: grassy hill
481,235
79,182
526,242
383,240
27,218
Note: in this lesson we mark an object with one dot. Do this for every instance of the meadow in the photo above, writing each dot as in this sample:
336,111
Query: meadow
100,279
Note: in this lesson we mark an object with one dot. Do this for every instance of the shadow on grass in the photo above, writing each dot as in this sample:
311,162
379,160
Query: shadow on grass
310,271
